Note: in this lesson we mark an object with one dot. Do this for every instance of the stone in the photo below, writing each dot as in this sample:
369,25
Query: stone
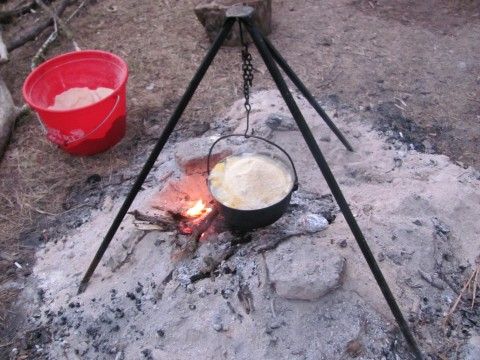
217,323
302,271
472,349
343,243
311,223
211,15
191,155
279,122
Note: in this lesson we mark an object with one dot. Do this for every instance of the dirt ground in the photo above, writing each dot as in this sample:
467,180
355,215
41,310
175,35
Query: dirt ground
412,66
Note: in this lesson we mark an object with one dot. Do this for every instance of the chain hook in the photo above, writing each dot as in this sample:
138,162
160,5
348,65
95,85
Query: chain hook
247,69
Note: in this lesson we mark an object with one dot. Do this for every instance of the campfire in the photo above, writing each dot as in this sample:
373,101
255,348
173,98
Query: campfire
183,207
198,210
196,218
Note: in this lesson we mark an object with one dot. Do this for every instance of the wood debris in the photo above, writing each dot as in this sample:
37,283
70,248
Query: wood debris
470,286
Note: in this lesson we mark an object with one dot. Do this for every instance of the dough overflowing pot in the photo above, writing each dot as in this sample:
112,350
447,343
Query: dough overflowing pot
252,189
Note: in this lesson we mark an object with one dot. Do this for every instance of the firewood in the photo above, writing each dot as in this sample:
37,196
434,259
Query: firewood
191,244
165,221
8,15
35,30
204,224
62,24
40,54
245,297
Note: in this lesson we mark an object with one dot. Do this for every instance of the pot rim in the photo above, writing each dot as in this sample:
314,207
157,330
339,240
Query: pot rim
293,188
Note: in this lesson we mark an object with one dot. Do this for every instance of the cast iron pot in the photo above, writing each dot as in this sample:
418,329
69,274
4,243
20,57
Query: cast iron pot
245,220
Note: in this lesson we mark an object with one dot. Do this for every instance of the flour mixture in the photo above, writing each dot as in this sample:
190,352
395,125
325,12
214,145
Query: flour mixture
250,181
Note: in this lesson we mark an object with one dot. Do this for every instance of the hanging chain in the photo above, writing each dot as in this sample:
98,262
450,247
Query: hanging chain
247,69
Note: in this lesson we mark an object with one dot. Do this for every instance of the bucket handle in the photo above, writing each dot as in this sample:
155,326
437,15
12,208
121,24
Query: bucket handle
295,182
55,138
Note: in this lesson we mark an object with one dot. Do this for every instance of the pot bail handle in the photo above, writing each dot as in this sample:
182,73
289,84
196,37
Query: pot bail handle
295,181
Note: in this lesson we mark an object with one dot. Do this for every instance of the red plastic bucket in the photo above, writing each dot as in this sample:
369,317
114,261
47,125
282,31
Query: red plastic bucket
86,130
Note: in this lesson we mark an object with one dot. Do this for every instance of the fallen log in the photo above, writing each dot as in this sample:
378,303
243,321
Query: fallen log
3,49
8,113
7,15
40,54
56,19
34,31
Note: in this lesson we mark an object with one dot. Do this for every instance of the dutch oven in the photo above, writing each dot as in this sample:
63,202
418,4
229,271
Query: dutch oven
245,220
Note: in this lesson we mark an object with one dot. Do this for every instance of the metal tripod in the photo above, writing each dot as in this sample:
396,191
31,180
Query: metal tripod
271,57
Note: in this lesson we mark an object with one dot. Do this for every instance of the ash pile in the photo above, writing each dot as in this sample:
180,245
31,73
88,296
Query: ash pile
172,287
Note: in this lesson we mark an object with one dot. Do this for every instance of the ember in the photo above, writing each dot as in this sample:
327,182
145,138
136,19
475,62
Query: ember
193,217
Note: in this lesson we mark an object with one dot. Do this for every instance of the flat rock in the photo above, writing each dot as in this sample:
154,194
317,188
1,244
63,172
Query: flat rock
302,271
472,348
211,15
354,328
191,155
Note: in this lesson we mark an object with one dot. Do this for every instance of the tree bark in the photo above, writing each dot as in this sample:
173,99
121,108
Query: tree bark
8,114
211,14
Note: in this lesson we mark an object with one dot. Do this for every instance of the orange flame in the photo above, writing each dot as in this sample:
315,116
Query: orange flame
198,209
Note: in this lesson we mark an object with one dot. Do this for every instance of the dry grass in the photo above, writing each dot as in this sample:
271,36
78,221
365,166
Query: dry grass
35,180
35,177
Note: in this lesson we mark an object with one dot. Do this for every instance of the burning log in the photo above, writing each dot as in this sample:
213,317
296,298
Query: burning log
192,222
186,221
203,226
197,230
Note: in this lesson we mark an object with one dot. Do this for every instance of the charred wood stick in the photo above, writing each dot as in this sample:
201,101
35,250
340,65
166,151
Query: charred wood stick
459,297
34,31
431,280
153,219
204,224
165,222
245,297
191,244
272,243
219,253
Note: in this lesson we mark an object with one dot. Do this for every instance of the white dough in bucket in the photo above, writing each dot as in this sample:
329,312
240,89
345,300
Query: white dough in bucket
74,98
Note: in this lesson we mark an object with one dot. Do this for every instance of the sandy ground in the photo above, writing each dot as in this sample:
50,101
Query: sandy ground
417,212
410,69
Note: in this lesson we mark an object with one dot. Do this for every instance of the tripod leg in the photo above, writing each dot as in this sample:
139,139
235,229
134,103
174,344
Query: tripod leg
157,149
332,183
305,92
